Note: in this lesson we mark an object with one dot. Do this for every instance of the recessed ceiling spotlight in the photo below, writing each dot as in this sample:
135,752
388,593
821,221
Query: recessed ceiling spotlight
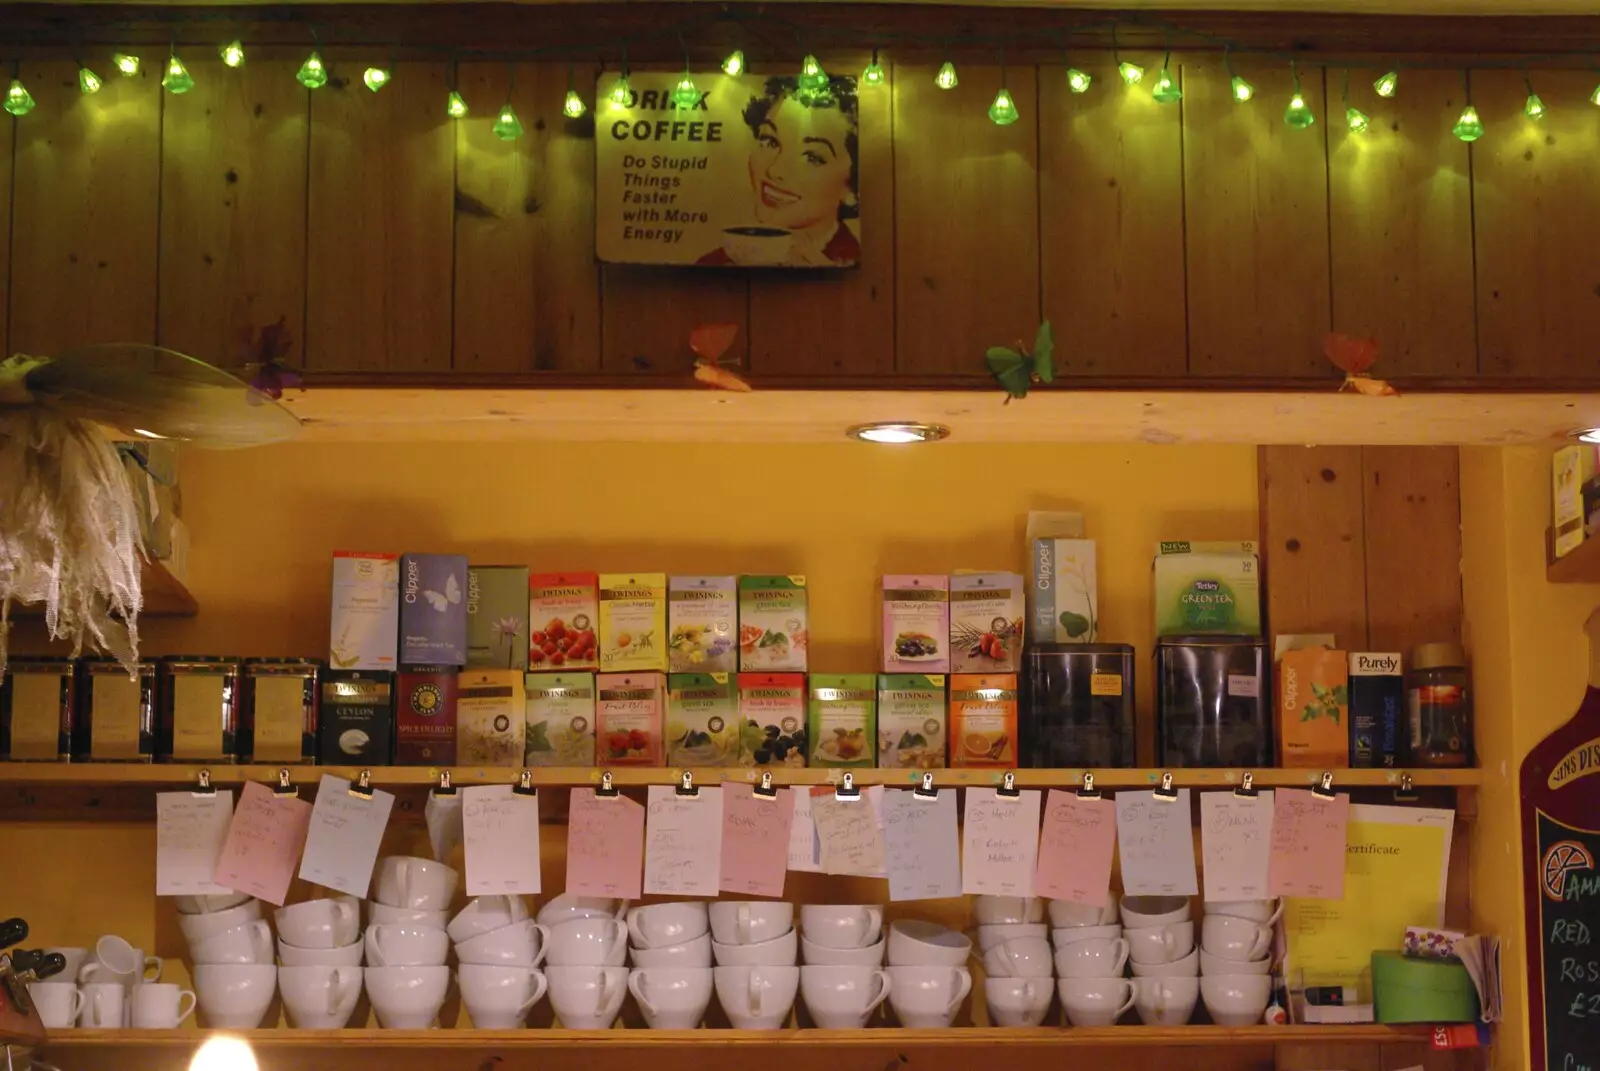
1586,435
898,431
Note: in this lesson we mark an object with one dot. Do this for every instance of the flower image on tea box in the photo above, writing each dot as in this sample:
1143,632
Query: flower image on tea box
633,621
772,623
497,616
703,619
564,615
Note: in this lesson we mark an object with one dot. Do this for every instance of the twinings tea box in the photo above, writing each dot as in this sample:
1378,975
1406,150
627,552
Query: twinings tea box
489,717
564,615
365,628
703,616
702,720
772,623
355,726
1377,705
1207,588
497,616
1313,705
842,719
633,621
983,720
433,610
1065,593
560,717
772,707
911,721
916,623
425,716
629,719
986,615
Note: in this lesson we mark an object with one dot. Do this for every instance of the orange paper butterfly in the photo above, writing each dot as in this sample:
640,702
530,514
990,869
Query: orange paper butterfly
1353,356
710,342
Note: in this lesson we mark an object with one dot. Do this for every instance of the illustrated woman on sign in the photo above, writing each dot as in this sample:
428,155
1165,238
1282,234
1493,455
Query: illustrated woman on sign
804,178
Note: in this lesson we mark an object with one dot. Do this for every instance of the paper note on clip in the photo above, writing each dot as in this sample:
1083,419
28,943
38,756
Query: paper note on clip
802,833
1000,849
1155,843
848,835
264,842
1075,849
922,849
343,839
500,828
1309,837
605,846
1235,844
190,830
683,842
755,841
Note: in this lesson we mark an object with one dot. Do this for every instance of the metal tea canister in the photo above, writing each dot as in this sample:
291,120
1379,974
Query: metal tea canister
199,698
1440,706
36,710
116,712
278,710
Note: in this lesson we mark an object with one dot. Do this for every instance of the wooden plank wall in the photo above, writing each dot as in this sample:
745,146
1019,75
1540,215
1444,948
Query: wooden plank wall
1201,239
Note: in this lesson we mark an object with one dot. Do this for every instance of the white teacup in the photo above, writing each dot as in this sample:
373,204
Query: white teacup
842,925
1210,964
207,905
59,1003
161,1006
377,914
756,998
250,943
415,883
115,960
499,998
1187,967
391,945
319,998
817,955
667,924
989,936
567,908
406,998
915,943
587,998
294,956
1095,1001
104,1005
1265,912
1165,1001
73,960
1007,910
778,952
1232,938
843,998
671,998
591,942
485,913
1066,913
695,953
1099,958
198,927
1138,911
928,996
1017,1001
749,922
235,996
1068,934
326,923
1021,957
1236,999
1160,944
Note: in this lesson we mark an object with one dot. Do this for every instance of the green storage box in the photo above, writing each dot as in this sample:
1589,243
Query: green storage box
1422,990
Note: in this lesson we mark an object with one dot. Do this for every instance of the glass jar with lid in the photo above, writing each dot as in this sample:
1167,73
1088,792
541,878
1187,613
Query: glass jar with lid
116,715
199,697
36,710
1440,706
278,710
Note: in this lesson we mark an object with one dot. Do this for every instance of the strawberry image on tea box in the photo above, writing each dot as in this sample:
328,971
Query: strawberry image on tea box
630,716
433,609
564,615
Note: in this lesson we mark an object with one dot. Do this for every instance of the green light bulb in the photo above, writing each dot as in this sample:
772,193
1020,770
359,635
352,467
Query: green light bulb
1131,73
18,100
573,107
1386,86
376,78
1469,127
1533,107
1594,98
1078,81
455,106
88,81
1166,90
874,74
1242,90
1298,114
620,93
507,127
813,79
126,64
1357,119
1003,112
312,73
232,53
176,79
685,94
946,78
734,64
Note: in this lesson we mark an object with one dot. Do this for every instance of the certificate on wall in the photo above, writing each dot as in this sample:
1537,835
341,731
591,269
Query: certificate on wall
749,171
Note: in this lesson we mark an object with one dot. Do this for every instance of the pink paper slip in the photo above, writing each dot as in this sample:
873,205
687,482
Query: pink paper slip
1309,837
265,839
755,841
605,846
1075,849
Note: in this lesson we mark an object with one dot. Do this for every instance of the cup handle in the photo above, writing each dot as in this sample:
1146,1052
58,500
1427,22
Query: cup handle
964,988
87,972
544,943
636,987
402,877
622,931
631,929
604,992
883,994
758,991
346,910
744,924
539,986
1121,944
185,1012
97,1014
1160,993
376,934
874,922
1276,915
1262,943
158,964
77,1006
1169,940
1130,1001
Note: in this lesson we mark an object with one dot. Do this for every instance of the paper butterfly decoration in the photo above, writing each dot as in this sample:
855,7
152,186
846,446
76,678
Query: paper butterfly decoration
451,596
1018,370
1353,356
710,342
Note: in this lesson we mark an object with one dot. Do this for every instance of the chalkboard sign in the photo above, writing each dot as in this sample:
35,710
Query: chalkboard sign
1569,934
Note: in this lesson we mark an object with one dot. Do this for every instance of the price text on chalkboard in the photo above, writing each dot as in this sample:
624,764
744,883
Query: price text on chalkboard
1569,929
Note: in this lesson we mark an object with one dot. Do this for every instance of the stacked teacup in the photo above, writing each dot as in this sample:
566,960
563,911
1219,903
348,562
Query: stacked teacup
320,950
756,950
1090,954
230,945
928,975
843,981
1236,939
111,979
406,941
1070,923
586,944
499,950
671,947
1160,936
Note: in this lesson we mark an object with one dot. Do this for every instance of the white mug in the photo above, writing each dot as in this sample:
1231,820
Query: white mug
415,883
159,1006
379,913
1210,964
991,935
1187,967
667,924
499,998
346,956
1227,937
591,942
568,908
821,956
928,996
207,905
59,1003
671,998
749,922
1066,913
1092,959
1236,999
319,998
778,952
1140,911
235,996
1160,944
1008,910
1265,912
407,946
115,960
695,953
1068,934
1095,1001
198,927
104,1005
1165,1001
485,913
842,925
521,944
587,998
406,998
843,998
756,998
250,943
1022,957
328,923
915,943
1017,1001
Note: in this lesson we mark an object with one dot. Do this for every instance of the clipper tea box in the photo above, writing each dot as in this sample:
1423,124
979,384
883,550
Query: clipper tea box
497,616
433,610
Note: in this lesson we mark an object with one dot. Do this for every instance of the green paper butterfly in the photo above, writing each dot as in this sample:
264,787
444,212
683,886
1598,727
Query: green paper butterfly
1018,370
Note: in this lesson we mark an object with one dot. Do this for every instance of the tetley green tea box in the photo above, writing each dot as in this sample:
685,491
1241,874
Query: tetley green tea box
1205,588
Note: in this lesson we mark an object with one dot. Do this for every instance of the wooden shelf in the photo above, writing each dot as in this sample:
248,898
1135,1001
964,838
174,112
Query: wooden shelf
164,594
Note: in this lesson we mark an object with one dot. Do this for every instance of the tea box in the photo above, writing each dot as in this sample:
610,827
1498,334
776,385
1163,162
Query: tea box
841,724
629,719
433,610
702,720
916,624
1313,703
365,628
1377,705
355,726
278,710
911,721
1064,596
116,717
199,719
36,710
490,720
425,716
772,623
564,616
1571,469
703,616
983,720
633,622
559,709
1207,589
986,615
772,709
497,616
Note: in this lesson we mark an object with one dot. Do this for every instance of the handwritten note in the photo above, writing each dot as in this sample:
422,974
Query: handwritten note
501,831
443,817
683,842
1075,848
1000,849
1309,838
346,830
264,842
848,838
189,833
605,846
802,833
1235,844
755,841
1156,845
922,850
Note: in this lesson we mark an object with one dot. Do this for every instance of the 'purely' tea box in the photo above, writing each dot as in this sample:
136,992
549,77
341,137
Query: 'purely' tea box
559,711
916,623
702,720
365,627
1065,593
1313,702
564,617
497,616
842,719
433,609
983,720
355,725
489,717
1377,698
772,624
772,707
986,615
703,619
425,716
633,621
629,719
911,721
1207,588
